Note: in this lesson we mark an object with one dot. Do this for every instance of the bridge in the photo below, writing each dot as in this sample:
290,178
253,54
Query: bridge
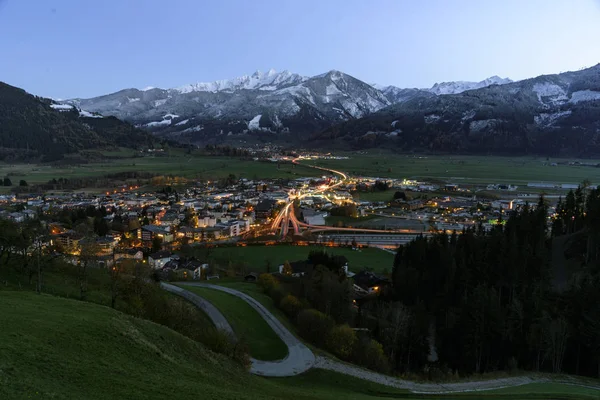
286,219
382,240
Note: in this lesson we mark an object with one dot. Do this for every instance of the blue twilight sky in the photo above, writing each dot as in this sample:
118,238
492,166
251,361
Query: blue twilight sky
85,48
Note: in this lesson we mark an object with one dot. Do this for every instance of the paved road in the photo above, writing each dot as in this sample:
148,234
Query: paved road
445,388
218,319
299,358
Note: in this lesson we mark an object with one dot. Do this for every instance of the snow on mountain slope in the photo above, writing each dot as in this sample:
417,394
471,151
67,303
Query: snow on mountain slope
462,86
69,107
555,115
271,80
584,95
397,95
281,102
254,123
283,99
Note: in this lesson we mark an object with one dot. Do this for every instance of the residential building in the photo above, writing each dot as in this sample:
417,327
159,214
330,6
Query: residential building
159,259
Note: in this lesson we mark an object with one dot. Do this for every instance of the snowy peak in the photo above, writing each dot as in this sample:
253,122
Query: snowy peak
462,86
271,80
495,80
397,95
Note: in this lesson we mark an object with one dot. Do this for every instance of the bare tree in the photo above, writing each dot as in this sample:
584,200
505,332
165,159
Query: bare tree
556,334
89,250
395,333
114,281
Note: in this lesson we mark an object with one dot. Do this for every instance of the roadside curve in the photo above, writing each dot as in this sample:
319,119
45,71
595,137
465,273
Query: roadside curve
299,358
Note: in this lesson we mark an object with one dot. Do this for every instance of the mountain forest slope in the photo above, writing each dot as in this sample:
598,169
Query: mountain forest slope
552,115
32,126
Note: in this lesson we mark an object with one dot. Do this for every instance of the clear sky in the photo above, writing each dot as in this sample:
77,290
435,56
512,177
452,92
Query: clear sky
85,48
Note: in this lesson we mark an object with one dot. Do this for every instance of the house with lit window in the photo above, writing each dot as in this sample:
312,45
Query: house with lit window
367,282
159,259
149,232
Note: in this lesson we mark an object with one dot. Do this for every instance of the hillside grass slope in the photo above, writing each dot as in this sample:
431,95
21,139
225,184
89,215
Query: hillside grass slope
57,348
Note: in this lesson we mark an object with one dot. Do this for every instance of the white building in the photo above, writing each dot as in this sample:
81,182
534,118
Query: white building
159,259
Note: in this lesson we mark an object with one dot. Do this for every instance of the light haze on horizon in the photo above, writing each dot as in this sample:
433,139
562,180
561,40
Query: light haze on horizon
79,48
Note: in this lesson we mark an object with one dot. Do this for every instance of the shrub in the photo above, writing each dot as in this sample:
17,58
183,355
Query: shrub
291,305
240,352
341,341
314,326
222,342
277,294
217,340
369,353
267,282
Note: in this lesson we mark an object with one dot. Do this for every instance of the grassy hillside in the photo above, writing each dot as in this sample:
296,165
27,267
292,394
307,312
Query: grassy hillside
248,325
66,349
59,348
257,256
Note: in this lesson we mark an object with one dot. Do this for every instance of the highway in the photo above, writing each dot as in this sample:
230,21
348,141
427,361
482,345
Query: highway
287,215
284,214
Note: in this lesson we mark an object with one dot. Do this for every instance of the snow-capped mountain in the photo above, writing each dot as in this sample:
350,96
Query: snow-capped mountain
550,115
269,102
399,95
491,114
462,86
272,80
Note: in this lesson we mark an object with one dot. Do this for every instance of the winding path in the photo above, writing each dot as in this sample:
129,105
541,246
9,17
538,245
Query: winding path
299,359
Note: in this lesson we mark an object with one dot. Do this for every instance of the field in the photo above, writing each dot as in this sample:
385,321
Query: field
177,163
253,290
380,222
256,256
456,169
385,196
247,324
463,169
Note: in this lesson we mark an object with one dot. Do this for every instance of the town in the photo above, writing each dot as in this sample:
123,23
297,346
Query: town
157,225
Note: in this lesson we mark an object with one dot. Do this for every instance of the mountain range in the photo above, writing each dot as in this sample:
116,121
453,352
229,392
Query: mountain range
271,102
276,102
549,115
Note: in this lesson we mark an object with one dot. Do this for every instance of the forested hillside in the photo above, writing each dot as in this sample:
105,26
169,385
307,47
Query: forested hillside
31,128
509,298
550,115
